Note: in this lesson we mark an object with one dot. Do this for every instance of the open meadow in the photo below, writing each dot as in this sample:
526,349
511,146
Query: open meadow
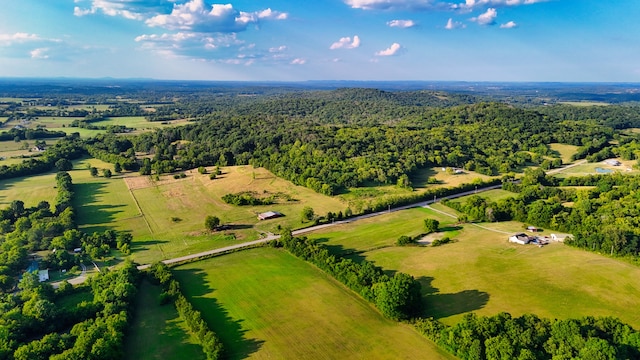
601,167
482,272
565,151
266,304
422,180
29,189
157,332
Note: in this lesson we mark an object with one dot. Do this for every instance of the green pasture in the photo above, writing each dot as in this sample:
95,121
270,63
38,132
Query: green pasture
565,151
29,189
584,103
361,197
156,331
166,217
491,195
368,234
482,272
266,304
590,168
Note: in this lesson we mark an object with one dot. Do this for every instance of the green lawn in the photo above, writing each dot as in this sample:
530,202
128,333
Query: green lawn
157,332
30,189
491,195
565,151
483,273
266,304
626,167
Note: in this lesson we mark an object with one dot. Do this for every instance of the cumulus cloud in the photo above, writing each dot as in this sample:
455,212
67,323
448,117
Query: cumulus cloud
128,9
390,51
196,15
298,61
346,43
486,18
451,25
509,25
470,4
39,53
278,49
391,4
18,37
402,23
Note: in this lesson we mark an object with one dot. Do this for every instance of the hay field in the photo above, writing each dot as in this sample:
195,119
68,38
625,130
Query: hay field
481,272
266,304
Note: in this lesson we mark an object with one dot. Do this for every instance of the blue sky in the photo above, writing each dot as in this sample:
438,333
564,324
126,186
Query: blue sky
472,40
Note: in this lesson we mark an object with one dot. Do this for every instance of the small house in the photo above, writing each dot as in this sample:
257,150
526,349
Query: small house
521,238
613,162
269,215
43,275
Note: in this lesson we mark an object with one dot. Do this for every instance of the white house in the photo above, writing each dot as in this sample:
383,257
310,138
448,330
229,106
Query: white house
520,238
613,162
43,275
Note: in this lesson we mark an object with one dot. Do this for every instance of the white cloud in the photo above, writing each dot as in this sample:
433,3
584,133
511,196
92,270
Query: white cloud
280,48
298,61
390,51
196,15
471,4
402,23
39,53
509,25
486,18
391,4
19,37
127,9
454,25
346,43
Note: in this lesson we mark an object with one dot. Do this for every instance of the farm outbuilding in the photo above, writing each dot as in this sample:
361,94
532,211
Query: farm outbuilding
520,238
43,275
269,215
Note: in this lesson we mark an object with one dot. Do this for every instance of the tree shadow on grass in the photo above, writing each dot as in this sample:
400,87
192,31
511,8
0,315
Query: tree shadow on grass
449,228
145,245
438,305
89,213
230,331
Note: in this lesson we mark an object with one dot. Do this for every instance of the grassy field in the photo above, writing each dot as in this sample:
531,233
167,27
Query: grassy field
565,151
156,331
56,123
266,304
481,272
359,198
492,195
166,217
30,189
590,168
584,103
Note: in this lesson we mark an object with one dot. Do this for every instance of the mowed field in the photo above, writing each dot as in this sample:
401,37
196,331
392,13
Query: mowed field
157,332
29,189
359,198
166,217
482,272
56,123
266,304
565,151
626,167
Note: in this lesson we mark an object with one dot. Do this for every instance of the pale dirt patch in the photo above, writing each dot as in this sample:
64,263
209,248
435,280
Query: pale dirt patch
138,182
429,238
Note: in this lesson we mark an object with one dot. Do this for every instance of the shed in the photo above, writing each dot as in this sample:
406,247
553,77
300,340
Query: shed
520,238
269,215
43,275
